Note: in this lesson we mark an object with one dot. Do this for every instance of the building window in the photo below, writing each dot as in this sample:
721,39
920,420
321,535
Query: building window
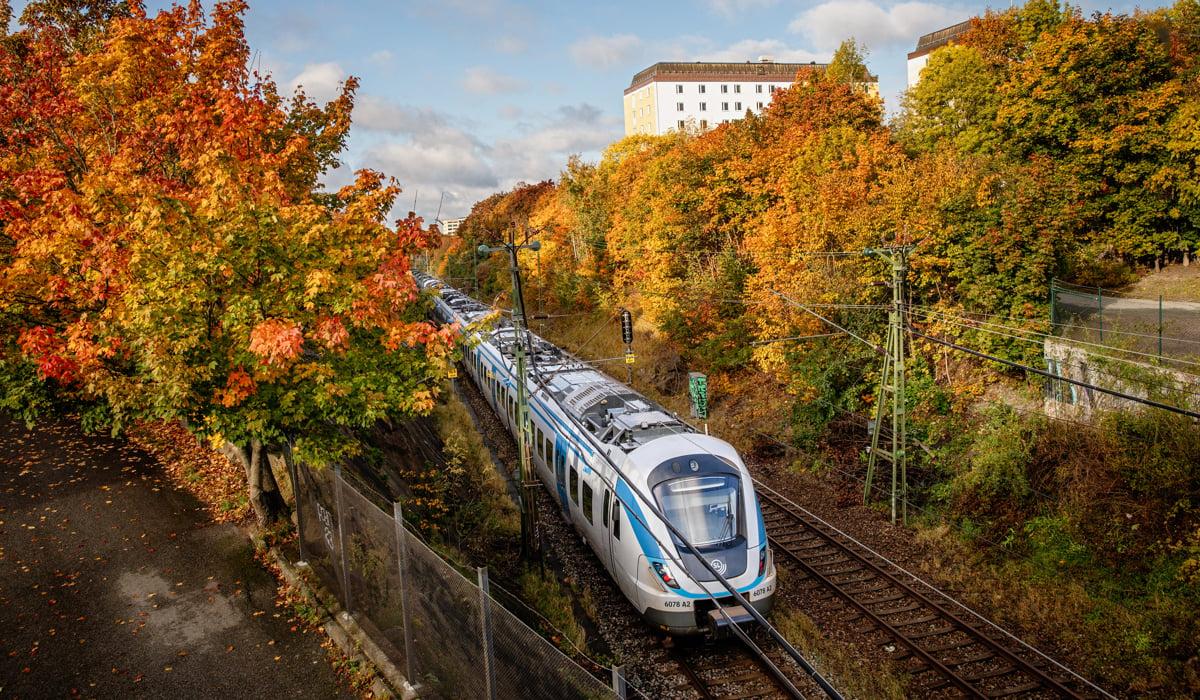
703,123
760,105
678,106
680,125
724,89
701,88
773,88
724,106
678,89
758,89
703,106
737,89
737,106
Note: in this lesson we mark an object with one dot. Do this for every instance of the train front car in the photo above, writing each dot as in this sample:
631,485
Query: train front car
702,487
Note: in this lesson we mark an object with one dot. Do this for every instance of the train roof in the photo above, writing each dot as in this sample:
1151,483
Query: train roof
613,413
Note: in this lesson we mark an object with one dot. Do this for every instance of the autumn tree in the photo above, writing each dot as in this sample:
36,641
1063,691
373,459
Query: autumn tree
165,252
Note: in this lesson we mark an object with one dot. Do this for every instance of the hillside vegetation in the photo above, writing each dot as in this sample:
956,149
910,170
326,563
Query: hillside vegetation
1045,144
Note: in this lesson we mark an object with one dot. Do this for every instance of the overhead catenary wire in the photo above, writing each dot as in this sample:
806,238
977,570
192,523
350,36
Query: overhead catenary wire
640,495
951,319
1178,388
1044,373
805,308
813,674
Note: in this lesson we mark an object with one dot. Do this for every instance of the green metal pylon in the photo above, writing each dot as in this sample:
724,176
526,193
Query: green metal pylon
891,391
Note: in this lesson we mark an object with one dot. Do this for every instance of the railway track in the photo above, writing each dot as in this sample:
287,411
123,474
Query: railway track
950,651
726,671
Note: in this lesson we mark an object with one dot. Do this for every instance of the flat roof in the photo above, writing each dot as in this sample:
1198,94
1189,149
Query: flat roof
750,71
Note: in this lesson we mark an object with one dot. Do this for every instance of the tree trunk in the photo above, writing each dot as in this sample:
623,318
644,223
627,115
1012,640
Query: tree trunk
1187,260
268,504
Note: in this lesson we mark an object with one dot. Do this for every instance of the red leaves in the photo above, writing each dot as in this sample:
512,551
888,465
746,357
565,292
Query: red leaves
331,333
238,386
276,340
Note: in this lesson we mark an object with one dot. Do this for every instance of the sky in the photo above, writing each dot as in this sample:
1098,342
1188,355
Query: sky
463,98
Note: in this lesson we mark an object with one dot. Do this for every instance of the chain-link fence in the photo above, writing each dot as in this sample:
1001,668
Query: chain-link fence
1158,327
445,632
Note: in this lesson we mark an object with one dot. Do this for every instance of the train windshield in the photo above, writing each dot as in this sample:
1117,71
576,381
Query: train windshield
703,508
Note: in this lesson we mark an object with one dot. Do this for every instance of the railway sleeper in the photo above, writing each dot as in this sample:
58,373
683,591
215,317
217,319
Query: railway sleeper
993,673
918,621
884,599
839,572
1013,690
894,611
981,656
931,633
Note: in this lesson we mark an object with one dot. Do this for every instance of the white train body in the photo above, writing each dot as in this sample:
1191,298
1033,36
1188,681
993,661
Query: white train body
699,482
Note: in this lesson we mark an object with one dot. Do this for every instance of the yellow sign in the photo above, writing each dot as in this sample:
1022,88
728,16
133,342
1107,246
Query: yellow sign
453,372
629,358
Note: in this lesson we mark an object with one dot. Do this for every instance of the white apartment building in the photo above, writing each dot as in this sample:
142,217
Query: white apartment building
451,226
671,96
929,43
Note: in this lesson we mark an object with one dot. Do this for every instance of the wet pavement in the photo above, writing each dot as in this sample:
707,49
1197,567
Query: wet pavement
114,584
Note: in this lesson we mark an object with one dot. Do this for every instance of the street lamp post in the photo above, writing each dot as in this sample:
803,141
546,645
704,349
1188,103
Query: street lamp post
530,542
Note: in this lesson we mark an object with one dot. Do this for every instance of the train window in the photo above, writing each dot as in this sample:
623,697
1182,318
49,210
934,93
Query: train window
604,516
587,501
575,485
549,450
616,527
541,447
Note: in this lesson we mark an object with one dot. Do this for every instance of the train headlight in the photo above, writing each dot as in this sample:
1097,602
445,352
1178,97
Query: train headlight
762,560
664,573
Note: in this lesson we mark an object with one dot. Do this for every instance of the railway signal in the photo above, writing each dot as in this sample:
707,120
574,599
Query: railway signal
627,338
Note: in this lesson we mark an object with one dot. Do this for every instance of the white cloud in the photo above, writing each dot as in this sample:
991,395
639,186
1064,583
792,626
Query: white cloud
381,58
732,8
753,49
320,81
482,80
510,45
606,51
429,152
872,23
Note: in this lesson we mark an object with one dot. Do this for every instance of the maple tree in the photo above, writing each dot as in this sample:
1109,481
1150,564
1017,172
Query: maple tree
166,251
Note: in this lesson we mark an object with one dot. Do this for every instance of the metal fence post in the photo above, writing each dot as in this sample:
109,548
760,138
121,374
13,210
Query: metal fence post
1100,311
402,564
1160,325
1053,308
618,682
294,473
337,499
485,625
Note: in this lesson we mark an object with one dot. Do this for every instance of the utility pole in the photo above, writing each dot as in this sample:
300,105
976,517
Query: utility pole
891,389
530,541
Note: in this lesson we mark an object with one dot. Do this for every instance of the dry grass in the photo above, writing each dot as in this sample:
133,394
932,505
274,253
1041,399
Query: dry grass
1174,282
850,673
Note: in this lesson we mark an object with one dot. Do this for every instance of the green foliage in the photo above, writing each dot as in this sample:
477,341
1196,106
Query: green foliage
996,474
23,394
954,103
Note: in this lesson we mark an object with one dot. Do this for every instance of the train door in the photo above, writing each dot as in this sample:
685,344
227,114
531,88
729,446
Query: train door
560,470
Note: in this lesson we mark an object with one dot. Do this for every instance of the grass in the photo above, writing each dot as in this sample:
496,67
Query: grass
1173,282
848,672
554,601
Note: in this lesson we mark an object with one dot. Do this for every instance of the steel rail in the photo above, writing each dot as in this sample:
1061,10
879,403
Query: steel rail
1019,664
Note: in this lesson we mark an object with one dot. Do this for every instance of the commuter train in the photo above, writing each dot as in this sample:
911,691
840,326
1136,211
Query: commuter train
580,415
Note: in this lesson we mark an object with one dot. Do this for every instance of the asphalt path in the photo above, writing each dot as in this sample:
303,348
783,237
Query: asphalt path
114,584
